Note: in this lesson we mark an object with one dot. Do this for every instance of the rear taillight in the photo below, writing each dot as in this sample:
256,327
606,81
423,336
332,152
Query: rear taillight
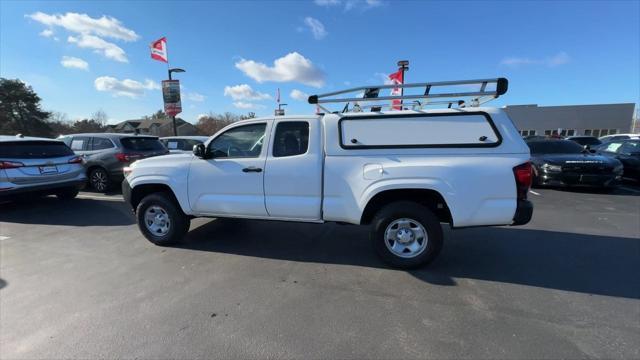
10,164
122,157
522,173
76,160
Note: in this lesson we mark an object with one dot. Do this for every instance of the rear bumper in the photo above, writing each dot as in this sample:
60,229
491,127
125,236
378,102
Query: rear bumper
524,212
573,179
43,188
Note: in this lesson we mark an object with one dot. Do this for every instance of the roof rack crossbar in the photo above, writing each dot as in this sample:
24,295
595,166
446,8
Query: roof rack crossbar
478,96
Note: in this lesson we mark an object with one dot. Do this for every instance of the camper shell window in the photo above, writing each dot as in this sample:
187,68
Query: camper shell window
463,129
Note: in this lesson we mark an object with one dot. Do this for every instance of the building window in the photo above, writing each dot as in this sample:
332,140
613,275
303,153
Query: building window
527,132
595,133
587,132
613,131
548,132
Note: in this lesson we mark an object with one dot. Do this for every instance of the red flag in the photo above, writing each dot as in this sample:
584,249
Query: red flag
396,79
159,50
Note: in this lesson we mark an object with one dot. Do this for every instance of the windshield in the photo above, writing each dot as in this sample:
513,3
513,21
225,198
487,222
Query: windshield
33,149
555,147
142,143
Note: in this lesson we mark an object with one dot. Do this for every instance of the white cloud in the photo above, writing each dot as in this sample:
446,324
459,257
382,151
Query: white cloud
99,46
46,33
299,95
200,116
316,27
327,2
194,96
74,63
291,67
558,59
246,105
244,92
126,87
104,26
350,4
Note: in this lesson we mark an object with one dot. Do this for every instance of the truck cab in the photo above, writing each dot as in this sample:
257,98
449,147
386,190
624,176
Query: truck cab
402,172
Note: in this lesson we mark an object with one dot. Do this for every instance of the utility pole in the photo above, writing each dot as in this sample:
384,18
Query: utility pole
173,117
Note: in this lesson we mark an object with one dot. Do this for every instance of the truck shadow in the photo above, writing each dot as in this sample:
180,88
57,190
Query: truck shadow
75,212
593,264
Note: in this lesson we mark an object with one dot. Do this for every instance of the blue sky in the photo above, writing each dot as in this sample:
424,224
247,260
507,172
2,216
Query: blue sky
553,53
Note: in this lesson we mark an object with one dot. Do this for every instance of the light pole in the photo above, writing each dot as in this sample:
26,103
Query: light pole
173,117
404,66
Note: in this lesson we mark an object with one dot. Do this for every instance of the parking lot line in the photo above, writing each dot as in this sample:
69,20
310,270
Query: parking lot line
535,193
98,197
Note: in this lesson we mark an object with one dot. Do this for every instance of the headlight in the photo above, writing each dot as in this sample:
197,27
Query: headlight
551,168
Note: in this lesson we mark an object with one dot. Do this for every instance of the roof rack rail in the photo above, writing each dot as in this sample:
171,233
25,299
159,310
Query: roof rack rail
459,99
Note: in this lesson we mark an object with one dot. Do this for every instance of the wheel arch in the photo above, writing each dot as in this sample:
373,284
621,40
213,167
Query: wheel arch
430,198
139,192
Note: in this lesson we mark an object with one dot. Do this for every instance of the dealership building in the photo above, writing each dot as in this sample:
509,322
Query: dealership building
568,120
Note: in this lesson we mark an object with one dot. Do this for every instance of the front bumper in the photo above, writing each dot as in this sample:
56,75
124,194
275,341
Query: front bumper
126,192
43,188
524,212
566,179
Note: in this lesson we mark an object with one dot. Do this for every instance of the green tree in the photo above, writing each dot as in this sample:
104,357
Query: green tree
20,111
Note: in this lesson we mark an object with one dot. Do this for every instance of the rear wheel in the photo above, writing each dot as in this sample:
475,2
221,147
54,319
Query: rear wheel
406,235
67,193
99,179
161,220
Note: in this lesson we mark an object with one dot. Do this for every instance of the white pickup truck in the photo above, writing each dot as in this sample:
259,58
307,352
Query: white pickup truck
403,172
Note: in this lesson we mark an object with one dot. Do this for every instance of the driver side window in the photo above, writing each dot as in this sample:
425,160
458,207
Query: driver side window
240,142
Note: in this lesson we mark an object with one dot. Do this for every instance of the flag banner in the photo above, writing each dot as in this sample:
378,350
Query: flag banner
396,79
171,97
159,50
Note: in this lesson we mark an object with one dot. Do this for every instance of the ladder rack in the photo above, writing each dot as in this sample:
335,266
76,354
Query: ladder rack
486,90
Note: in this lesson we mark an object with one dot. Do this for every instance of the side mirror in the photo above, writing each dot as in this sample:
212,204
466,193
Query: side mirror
200,151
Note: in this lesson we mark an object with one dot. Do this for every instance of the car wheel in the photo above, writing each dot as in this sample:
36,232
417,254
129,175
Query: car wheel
161,220
99,179
67,193
406,235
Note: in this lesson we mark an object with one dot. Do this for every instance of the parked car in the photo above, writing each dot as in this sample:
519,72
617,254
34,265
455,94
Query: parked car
566,163
39,166
589,141
182,144
402,172
107,154
628,153
616,137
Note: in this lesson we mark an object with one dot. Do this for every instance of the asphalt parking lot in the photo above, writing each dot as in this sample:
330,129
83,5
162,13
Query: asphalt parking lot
78,280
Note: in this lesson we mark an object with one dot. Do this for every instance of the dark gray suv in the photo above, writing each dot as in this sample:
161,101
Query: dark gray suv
106,154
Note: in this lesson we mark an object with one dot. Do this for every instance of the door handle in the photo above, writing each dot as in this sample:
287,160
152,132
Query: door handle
251,169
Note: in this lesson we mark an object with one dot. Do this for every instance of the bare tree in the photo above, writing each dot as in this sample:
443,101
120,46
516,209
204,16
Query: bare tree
100,117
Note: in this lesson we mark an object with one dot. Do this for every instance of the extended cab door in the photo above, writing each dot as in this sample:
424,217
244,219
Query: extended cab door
293,173
231,183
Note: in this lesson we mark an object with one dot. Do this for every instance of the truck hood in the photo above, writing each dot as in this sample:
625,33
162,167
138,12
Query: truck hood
164,161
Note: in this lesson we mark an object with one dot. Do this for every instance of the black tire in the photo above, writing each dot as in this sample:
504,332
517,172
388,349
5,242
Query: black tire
99,179
67,193
178,221
418,214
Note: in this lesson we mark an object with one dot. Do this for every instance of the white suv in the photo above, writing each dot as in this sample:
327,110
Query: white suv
402,172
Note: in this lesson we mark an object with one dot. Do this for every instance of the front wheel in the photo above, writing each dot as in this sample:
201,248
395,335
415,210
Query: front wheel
161,220
406,235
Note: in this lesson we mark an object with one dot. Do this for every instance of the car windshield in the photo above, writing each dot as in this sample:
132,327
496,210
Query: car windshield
555,147
142,143
33,149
